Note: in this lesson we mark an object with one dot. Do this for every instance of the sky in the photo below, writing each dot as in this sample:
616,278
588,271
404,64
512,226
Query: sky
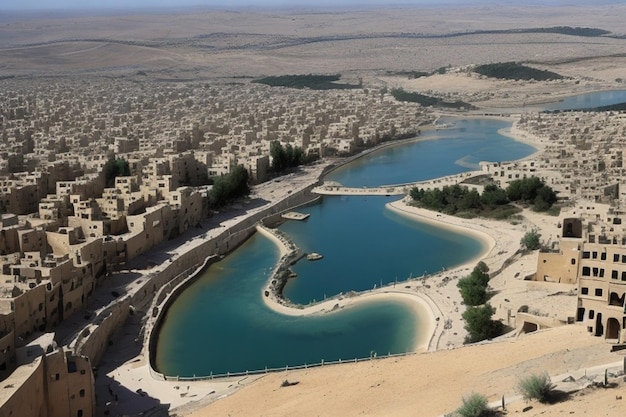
152,4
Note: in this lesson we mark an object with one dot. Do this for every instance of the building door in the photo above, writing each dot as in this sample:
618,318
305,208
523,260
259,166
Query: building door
612,328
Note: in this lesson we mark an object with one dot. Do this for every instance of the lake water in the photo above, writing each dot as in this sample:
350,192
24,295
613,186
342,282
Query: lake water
220,324
588,101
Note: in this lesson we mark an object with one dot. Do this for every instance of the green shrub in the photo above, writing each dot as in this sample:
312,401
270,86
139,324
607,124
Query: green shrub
474,405
536,387
531,240
479,324
473,288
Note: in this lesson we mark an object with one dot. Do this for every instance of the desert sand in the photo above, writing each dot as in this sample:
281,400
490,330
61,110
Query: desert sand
425,384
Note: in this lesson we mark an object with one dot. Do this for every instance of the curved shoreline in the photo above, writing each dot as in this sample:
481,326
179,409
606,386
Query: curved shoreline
427,313
423,311
434,297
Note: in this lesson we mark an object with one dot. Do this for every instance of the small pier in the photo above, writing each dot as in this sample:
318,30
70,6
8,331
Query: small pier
294,215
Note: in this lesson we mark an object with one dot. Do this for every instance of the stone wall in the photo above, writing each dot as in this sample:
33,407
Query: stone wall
93,339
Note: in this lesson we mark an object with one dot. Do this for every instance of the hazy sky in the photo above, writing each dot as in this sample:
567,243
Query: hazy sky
114,4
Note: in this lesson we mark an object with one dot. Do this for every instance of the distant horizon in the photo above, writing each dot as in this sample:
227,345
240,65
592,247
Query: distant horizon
161,5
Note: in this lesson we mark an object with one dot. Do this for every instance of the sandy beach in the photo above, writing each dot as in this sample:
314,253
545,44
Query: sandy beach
422,307
429,384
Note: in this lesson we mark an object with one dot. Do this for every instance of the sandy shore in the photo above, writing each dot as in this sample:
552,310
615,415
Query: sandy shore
428,384
422,308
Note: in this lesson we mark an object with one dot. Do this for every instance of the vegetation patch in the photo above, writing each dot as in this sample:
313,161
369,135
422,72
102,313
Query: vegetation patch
474,405
227,188
479,324
113,168
473,288
531,240
285,157
427,101
515,71
536,387
311,81
493,202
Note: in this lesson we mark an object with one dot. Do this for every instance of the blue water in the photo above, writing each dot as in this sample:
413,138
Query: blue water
366,245
220,323
467,143
590,100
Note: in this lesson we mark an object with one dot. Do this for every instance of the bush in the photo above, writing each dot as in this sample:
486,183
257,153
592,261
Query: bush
533,191
475,405
531,240
536,387
472,292
479,325
473,288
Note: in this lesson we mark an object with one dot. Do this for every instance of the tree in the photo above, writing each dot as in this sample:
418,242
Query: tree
531,240
115,168
532,191
544,199
473,288
284,157
472,292
229,187
494,196
279,158
471,200
482,267
479,325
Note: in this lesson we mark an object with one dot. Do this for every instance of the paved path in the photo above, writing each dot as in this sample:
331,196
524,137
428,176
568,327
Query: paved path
335,188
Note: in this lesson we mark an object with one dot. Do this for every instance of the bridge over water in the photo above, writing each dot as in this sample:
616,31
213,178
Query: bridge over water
335,188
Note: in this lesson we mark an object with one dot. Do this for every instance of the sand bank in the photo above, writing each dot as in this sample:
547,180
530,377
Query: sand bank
282,247
423,308
427,385
450,223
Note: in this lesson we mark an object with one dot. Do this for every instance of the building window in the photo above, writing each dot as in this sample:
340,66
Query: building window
573,261
57,377
586,255
601,272
586,271
603,256
584,290
598,292
614,274
616,257
79,413
81,393
591,314
594,255
624,259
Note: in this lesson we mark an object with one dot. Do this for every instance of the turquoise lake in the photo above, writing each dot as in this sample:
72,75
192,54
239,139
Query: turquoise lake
220,323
